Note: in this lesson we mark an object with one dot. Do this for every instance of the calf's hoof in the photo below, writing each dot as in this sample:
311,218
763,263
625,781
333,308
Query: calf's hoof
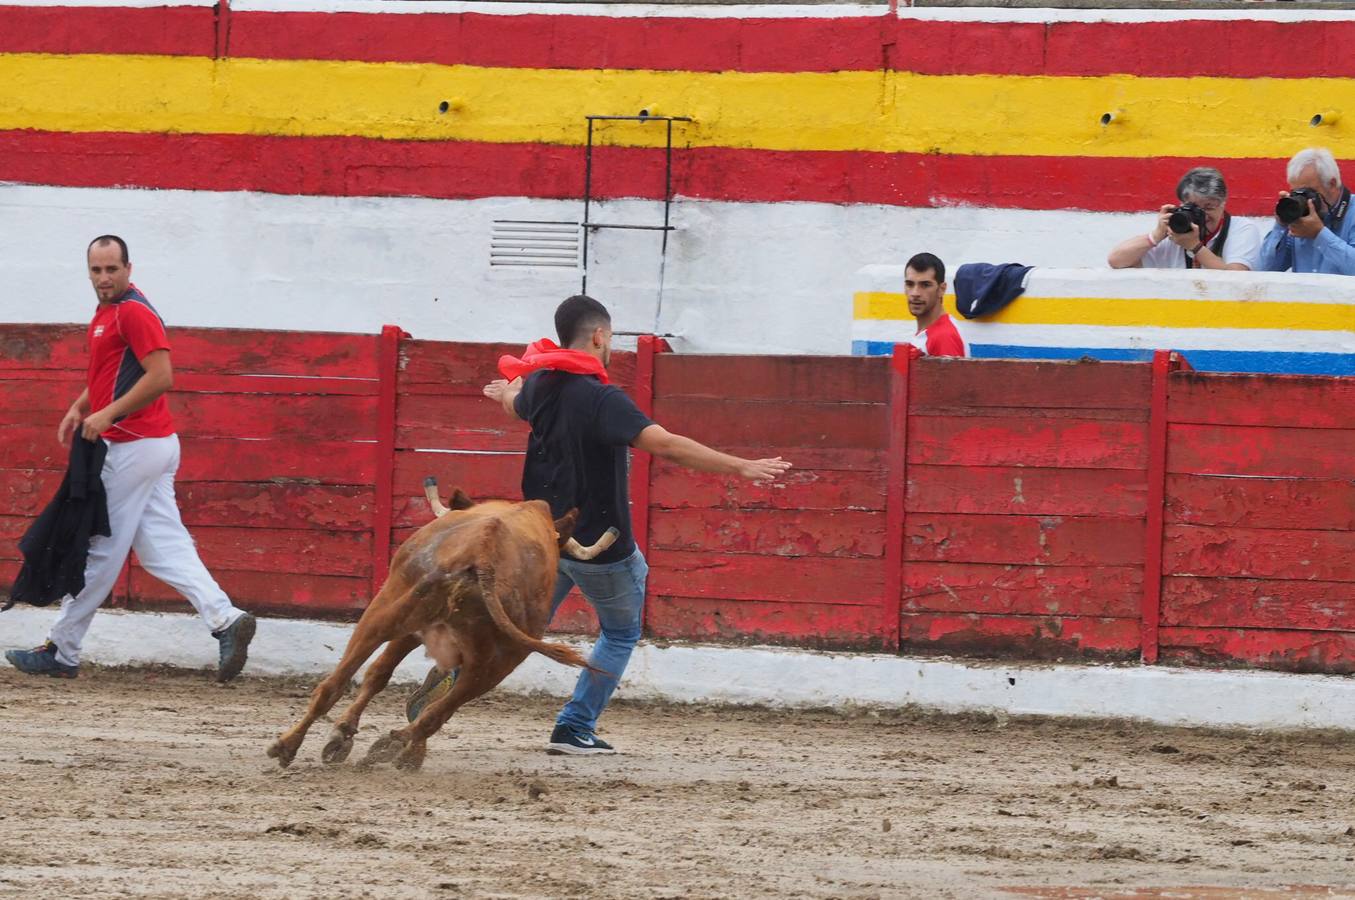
282,753
386,748
337,748
411,758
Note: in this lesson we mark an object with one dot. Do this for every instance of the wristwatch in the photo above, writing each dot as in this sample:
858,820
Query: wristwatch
1194,251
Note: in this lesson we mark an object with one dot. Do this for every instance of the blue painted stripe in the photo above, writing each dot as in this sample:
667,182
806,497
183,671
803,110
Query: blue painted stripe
1201,360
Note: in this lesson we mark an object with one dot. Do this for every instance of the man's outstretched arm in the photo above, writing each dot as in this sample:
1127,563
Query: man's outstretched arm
504,393
684,451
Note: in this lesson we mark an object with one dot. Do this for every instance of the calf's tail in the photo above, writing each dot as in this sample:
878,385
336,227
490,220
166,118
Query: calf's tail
489,590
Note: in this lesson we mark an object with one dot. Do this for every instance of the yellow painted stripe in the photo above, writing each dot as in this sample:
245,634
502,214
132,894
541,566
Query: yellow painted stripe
892,111
1134,312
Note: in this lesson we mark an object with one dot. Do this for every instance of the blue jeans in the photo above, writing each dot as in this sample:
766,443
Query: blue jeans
616,592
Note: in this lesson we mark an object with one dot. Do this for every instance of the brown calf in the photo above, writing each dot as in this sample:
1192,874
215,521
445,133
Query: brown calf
474,587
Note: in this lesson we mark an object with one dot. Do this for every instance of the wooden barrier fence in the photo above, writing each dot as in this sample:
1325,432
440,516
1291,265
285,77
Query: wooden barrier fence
971,507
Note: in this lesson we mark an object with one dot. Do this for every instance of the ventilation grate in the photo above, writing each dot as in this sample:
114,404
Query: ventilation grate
522,242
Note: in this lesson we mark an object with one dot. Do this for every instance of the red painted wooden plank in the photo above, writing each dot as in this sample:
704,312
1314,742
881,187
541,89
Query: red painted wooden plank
831,459
275,416
32,447
281,461
1259,553
483,476
232,351
575,616
1027,441
853,379
1295,401
901,373
1256,603
1027,637
1246,450
201,382
1024,540
1104,591
24,492
821,625
1289,651
285,550
464,368
949,386
1309,503
11,529
65,376
278,593
1031,491
37,402
456,423
799,489
454,367
780,427
25,346
264,505
1163,363
843,533
857,582
388,363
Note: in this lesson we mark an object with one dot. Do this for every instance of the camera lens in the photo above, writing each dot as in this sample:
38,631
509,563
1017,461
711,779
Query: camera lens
1179,221
1290,209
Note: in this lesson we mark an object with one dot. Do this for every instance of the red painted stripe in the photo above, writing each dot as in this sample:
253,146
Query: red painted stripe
1179,49
167,31
363,167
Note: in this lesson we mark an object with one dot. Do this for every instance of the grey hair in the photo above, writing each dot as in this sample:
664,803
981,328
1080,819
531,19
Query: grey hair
1320,159
1202,182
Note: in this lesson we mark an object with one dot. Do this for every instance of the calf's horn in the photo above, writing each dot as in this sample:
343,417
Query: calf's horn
579,551
430,490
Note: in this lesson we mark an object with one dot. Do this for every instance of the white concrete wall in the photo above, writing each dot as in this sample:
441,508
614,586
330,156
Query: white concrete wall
774,677
740,277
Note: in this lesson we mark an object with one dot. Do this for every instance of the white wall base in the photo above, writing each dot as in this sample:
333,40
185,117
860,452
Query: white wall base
776,677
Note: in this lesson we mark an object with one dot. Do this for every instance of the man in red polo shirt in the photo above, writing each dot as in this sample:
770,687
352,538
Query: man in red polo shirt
924,281
124,405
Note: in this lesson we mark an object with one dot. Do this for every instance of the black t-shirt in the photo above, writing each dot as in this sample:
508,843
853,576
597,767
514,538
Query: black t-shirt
578,454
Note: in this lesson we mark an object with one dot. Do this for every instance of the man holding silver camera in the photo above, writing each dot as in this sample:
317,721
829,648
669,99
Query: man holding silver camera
1196,234
1312,232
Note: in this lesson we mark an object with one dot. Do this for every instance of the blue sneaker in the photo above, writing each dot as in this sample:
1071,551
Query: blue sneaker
234,639
41,661
565,740
436,684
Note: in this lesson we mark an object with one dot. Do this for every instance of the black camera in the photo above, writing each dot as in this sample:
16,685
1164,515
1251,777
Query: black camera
1294,207
1186,215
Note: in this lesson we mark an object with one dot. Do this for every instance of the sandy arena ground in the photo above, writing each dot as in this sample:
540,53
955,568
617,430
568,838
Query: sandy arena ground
154,783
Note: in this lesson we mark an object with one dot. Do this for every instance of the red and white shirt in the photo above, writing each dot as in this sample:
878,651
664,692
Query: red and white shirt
941,338
123,333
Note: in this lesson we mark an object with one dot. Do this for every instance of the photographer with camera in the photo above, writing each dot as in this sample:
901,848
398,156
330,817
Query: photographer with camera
1312,232
1196,234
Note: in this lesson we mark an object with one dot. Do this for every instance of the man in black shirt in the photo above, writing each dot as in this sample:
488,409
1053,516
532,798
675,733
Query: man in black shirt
578,457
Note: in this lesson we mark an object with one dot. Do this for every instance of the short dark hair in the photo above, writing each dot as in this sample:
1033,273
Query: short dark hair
106,239
578,316
928,262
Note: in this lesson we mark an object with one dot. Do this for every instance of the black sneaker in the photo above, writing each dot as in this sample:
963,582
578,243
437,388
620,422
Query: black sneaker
566,740
41,661
234,639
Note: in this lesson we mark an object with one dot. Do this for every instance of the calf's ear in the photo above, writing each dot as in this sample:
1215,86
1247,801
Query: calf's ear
564,526
460,500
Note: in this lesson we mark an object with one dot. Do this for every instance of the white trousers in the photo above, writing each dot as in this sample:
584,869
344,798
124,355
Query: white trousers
138,478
